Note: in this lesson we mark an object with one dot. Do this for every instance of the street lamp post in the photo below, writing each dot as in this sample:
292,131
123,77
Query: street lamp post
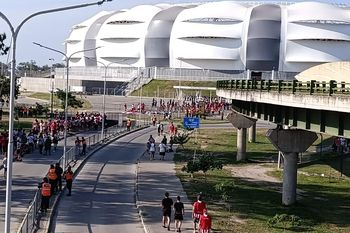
52,88
14,34
66,100
104,89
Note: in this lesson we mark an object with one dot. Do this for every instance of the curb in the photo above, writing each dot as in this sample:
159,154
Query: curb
138,207
53,212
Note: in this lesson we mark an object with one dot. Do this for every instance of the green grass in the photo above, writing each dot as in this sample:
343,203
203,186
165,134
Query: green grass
57,103
166,89
324,207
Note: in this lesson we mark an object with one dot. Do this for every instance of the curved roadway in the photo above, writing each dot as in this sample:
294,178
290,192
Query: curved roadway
103,193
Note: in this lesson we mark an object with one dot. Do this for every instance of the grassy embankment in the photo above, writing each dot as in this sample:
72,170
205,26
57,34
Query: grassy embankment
166,89
57,103
324,206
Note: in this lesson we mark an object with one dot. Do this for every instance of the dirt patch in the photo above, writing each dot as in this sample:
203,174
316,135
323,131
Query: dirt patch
254,173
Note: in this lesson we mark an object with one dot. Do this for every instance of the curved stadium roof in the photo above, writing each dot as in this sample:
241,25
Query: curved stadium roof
225,35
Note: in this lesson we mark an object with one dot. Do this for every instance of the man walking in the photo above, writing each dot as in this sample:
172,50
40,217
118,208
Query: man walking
59,172
179,212
45,194
197,211
68,176
83,141
167,203
52,175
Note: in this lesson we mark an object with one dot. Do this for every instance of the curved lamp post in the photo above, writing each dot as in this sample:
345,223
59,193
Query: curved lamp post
67,58
51,87
14,34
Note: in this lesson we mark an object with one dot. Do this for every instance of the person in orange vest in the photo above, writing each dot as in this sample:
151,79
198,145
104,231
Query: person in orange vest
52,175
68,176
197,211
45,194
205,222
128,125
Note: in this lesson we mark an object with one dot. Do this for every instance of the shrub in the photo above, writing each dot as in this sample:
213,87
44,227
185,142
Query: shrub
285,221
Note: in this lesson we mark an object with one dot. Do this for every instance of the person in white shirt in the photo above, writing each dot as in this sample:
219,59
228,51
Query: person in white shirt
152,150
162,149
4,164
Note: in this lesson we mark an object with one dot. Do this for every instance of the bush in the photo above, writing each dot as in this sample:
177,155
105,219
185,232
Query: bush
285,221
202,163
226,189
181,139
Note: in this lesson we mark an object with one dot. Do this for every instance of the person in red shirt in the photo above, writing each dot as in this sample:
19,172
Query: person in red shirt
205,222
197,210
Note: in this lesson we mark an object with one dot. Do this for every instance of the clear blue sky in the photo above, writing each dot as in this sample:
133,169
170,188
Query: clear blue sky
52,29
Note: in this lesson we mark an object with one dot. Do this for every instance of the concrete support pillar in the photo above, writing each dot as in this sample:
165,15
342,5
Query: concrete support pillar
241,144
290,142
289,194
242,123
252,133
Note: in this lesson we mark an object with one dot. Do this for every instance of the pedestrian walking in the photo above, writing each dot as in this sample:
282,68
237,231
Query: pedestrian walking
47,145
59,172
45,187
55,142
162,149
83,142
4,164
167,203
197,211
41,143
77,146
152,150
68,176
179,212
128,125
205,222
52,178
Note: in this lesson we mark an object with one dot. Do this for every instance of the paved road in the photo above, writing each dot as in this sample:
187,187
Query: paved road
26,176
103,193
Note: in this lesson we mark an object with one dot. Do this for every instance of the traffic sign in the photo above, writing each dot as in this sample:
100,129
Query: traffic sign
191,122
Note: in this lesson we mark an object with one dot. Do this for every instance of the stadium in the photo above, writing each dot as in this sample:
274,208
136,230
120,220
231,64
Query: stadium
225,36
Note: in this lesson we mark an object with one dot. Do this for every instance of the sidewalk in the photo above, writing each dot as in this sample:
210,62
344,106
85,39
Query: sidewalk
155,177
26,176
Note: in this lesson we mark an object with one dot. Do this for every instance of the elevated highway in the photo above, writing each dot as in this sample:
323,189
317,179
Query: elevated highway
315,106
306,108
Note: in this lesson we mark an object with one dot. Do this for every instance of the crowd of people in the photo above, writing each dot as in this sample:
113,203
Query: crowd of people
52,184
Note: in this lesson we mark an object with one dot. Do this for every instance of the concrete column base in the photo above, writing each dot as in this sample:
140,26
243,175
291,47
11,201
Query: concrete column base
241,144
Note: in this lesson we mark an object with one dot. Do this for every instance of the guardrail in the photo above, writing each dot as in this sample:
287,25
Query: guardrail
312,87
29,223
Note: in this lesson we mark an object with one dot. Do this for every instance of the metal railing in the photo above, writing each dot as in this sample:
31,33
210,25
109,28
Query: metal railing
312,87
30,220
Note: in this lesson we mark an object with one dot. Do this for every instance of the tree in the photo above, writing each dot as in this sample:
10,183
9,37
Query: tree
72,100
202,163
181,139
5,87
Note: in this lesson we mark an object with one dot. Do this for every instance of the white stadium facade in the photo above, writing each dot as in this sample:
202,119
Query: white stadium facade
226,36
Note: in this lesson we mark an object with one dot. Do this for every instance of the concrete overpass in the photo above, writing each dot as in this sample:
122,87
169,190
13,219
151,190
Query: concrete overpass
315,106
306,108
